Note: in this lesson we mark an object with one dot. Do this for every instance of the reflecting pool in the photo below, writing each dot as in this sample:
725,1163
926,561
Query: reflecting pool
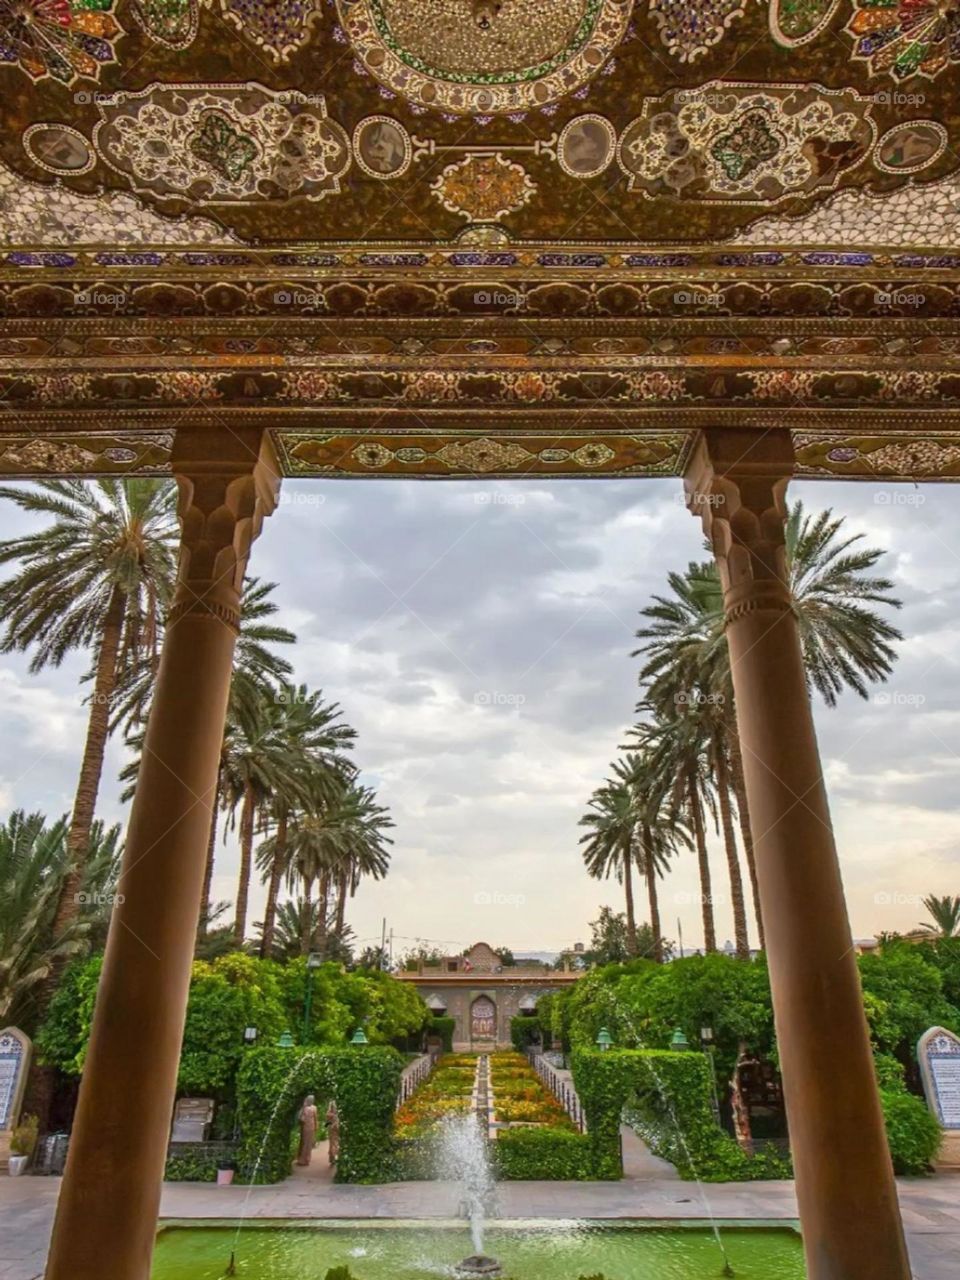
535,1250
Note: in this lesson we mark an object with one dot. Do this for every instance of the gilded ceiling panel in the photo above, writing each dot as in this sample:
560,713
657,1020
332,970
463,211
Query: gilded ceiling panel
579,121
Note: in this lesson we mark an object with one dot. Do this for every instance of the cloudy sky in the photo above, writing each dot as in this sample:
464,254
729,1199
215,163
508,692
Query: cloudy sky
478,636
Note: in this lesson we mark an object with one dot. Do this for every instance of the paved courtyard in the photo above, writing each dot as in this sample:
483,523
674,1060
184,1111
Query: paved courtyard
931,1206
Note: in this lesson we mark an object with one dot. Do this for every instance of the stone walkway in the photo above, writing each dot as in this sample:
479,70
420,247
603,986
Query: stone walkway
931,1207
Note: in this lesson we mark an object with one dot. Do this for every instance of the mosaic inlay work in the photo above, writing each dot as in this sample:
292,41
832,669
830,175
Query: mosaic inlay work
484,188
222,143
796,22
170,22
62,39
730,142
906,38
279,27
468,57
472,453
935,456
83,454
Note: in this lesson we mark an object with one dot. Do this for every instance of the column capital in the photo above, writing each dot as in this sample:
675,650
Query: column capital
228,482
736,482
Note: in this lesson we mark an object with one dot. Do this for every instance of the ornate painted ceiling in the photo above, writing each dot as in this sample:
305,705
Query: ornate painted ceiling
446,237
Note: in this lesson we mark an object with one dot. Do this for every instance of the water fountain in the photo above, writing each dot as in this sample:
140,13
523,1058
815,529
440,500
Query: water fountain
464,1158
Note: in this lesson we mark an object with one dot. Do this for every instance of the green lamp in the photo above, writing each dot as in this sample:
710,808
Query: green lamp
359,1037
678,1041
285,1041
604,1039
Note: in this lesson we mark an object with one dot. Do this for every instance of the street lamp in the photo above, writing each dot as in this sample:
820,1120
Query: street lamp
285,1041
706,1044
359,1037
678,1041
314,961
604,1039
250,1035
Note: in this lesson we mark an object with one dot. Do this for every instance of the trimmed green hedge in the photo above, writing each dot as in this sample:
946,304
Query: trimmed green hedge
542,1155
272,1084
671,1094
198,1161
443,1027
524,1030
913,1134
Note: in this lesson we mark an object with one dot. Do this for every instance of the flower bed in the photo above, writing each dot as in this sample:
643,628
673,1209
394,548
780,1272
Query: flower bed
519,1096
448,1091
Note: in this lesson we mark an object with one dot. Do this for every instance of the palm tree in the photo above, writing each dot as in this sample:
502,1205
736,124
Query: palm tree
610,843
366,854
660,831
96,577
316,739
677,755
258,674
257,760
330,836
34,862
845,644
945,916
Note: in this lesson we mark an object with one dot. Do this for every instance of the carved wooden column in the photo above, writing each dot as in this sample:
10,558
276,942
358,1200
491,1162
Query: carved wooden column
737,483
106,1219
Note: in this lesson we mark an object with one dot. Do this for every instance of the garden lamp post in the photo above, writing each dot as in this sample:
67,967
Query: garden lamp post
359,1037
679,1042
285,1041
250,1035
314,961
706,1044
604,1039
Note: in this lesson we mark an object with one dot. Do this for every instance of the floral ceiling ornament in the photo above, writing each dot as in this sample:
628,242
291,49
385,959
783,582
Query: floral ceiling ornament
222,143
796,22
746,142
279,27
62,39
170,22
688,28
525,54
903,38
484,188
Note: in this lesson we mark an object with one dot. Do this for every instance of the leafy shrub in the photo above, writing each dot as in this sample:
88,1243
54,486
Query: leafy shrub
272,1084
525,1031
541,1154
198,1162
671,1097
444,1028
913,1133
889,1072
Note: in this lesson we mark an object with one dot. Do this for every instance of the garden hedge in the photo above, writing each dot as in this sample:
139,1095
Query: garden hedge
524,1031
363,1082
672,1100
444,1028
913,1134
543,1155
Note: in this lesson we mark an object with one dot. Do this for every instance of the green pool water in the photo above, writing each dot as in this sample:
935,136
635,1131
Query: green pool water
528,1251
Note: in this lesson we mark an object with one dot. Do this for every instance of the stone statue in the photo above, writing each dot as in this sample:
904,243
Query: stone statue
308,1130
